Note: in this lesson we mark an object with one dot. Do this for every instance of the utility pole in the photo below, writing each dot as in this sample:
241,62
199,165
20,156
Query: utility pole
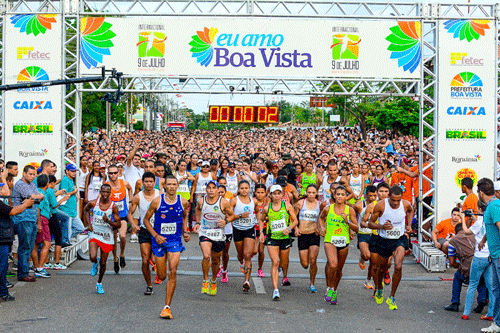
108,118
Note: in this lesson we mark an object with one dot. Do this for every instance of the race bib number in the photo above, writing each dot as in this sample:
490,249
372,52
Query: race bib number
365,230
97,185
168,228
278,225
246,222
183,188
393,233
203,188
120,205
99,221
339,241
214,233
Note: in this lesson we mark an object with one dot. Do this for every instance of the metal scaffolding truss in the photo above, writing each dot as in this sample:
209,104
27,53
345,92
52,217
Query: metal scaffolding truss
425,88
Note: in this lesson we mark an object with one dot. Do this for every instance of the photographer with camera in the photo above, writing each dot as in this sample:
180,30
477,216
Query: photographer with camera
445,230
25,223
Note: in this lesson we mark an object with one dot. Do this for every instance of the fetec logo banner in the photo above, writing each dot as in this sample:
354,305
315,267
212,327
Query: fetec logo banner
95,40
263,48
29,53
461,59
466,85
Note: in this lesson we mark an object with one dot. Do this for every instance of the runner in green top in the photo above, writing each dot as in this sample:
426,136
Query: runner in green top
307,178
281,220
335,221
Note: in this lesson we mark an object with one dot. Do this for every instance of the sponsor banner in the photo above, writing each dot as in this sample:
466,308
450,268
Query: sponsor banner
251,47
32,115
466,109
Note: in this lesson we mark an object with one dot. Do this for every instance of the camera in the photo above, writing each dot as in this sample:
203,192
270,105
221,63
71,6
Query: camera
35,201
468,213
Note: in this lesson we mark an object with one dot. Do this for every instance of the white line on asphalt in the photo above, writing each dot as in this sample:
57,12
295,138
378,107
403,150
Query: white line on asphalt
259,286
20,284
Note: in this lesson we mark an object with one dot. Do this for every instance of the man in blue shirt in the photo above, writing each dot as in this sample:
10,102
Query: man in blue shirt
25,224
75,225
486,193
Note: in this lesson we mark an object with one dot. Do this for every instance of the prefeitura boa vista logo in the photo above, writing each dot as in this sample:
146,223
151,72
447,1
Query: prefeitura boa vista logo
263,49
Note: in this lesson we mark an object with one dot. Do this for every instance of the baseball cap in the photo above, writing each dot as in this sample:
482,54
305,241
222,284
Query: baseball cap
497,185
230,165
213,182
214,161
71,167
276,188
205,163
102,165
119,157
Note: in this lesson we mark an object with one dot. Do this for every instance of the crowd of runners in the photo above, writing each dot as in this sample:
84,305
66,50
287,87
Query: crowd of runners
257,189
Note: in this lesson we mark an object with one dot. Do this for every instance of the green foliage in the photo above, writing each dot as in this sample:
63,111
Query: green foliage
139,125
399,114
203,125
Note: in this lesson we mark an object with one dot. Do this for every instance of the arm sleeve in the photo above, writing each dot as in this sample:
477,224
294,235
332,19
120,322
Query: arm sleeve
451,251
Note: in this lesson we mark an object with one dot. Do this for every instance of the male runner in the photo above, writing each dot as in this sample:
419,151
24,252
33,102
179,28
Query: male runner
394,216
170,222
212,213
105,217
119,189
142,200
364,234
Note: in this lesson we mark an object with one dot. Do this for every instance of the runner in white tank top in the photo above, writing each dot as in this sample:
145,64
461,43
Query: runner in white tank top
105,217
393,215
244,229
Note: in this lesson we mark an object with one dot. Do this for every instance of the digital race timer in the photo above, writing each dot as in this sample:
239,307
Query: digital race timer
243,114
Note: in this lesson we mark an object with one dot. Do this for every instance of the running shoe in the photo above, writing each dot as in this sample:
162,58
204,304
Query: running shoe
122,262
218,273
242,268
379,296
328,295
149,291
464,317
392,303
334,298
213,288
48,266
9,285
10,274
261,273
165,313
286,282
7,298
157,280
276,295
153,266
134,239
313,289
14,267
42,273
493,328
369,284
94,269
100,289
484,317
117,267
59,266
246,287
362,264
204,288
223,278
387,278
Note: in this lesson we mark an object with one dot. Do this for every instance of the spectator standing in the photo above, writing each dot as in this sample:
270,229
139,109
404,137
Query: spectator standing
75,225
25,223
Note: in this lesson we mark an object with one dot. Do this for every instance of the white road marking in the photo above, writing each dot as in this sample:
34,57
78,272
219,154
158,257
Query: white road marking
259,286
20,284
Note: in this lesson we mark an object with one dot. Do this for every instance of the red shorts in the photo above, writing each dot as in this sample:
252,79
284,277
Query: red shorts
106,248
45,234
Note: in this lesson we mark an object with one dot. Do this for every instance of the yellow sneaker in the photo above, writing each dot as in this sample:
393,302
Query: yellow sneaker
392,303
213,288
379,296
204,288
165,313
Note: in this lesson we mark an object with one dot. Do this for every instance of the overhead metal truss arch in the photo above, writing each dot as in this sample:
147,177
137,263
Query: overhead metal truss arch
425,88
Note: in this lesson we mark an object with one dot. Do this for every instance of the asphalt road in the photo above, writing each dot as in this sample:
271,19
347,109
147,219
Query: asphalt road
68,301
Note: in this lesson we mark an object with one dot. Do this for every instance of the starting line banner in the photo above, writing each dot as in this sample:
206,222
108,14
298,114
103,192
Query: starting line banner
32,115
251,47
467,108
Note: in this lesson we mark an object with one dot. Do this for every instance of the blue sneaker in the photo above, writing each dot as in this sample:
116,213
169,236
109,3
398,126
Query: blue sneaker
42,273
94,269
100,289
313,289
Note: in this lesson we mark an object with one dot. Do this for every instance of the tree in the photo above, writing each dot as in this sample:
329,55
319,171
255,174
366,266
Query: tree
203,125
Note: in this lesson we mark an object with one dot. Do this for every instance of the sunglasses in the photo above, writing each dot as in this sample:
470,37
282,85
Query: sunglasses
206,166
112,173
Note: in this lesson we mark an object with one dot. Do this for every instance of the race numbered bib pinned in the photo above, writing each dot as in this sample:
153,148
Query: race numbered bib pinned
214,233
168,228
339,241
393,233
278,225
183,188
120,205
246,222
